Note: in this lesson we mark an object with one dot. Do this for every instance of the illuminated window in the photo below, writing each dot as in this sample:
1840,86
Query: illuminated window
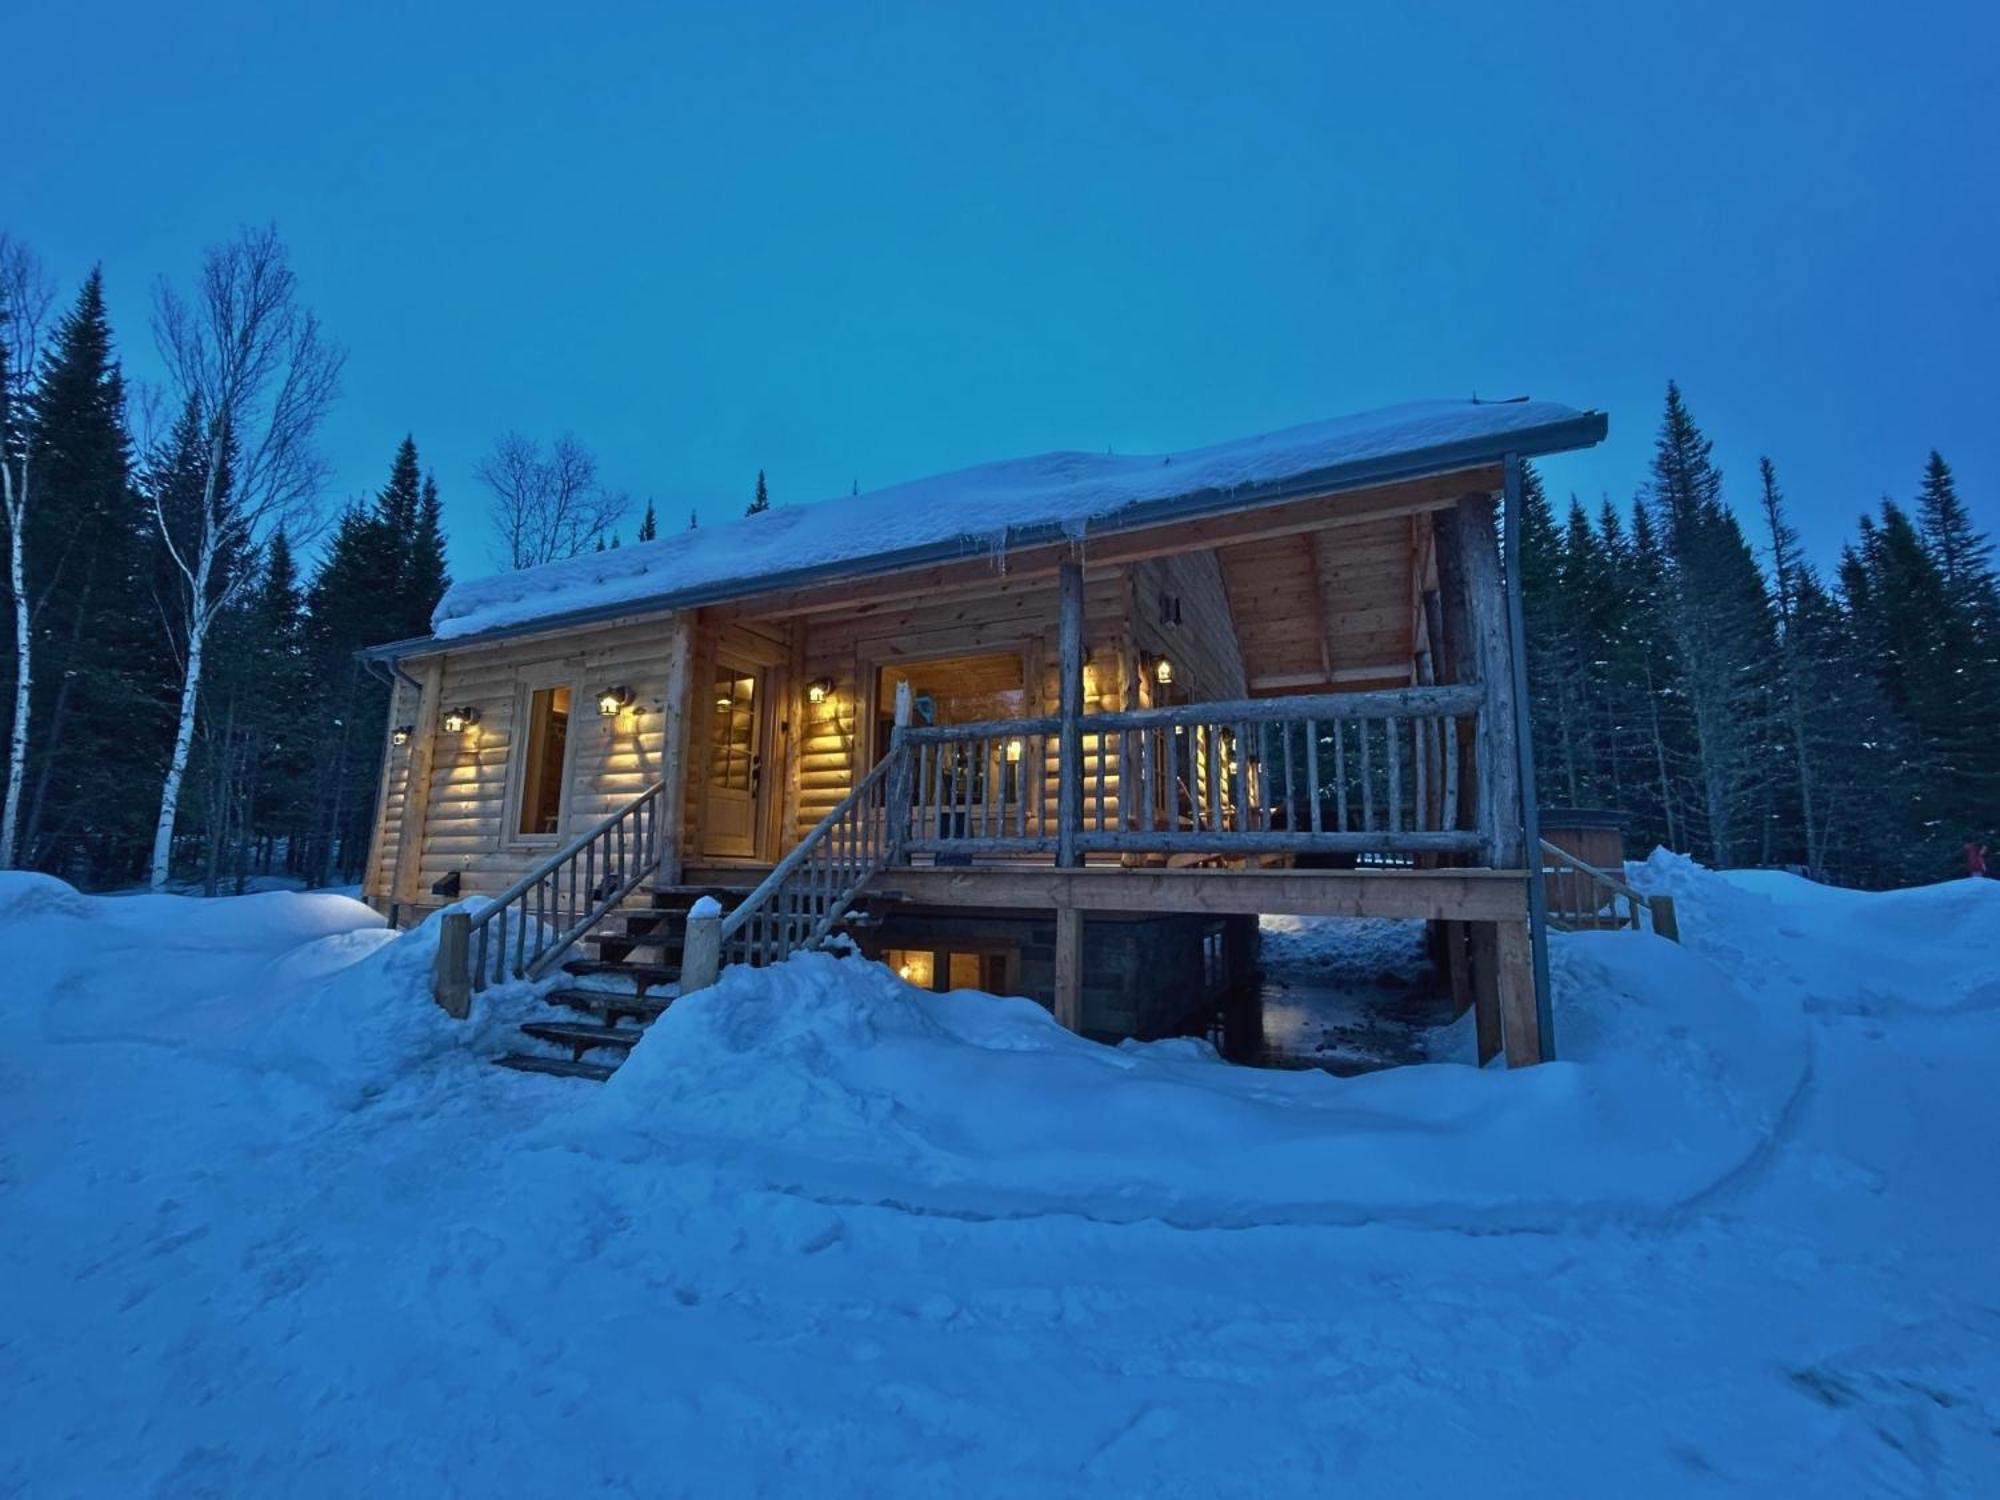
732,752
542,771
953,690
952,969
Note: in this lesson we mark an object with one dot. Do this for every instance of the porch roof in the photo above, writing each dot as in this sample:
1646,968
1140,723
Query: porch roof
997,507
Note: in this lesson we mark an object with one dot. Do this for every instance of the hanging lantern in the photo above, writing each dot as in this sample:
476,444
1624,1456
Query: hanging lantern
458,720
612,699
1163,671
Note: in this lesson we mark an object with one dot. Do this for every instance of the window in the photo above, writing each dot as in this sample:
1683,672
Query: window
732,746
956,969
542,769
953,690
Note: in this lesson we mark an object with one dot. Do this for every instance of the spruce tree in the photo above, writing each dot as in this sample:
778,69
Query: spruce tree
761,501
649,524
101,667
425,575
1719,619
1963,556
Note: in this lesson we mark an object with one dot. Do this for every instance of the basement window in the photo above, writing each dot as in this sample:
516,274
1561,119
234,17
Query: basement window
542,770
990,970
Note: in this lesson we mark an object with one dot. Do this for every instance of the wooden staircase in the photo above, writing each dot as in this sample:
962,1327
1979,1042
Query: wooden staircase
631,982
642,948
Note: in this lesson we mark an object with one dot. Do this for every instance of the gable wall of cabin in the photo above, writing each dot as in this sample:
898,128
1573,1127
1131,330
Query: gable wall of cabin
468,805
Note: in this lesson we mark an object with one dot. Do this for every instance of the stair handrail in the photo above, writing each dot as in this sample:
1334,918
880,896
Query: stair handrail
807,893
766,892
1661,908
600,867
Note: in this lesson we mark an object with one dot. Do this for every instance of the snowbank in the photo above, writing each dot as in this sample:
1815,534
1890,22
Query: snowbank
977,504
309,985
1933,948
835,1080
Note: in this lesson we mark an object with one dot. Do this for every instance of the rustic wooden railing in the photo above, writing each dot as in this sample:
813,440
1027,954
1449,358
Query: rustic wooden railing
1376,773
530,925
799,903
1583,898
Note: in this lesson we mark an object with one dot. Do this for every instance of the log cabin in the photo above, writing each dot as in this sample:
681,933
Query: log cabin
1059,727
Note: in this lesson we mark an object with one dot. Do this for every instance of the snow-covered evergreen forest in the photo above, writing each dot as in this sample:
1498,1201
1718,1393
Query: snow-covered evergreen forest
183,699
1691,666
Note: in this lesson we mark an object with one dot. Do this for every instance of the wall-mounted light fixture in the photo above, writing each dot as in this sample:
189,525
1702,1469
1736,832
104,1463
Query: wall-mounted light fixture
612,699
1014,751
1163,671
400,735
819,690
458,720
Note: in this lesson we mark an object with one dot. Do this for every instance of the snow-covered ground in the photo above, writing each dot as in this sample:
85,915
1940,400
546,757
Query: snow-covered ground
269,1224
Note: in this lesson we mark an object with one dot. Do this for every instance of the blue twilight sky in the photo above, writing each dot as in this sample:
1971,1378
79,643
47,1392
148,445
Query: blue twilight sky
870,243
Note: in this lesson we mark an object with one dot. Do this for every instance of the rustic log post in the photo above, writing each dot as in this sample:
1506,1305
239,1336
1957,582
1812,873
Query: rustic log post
899,793
1069,968
1469,549
1069,775
452,986
701,954
407,887
1666,920
675,701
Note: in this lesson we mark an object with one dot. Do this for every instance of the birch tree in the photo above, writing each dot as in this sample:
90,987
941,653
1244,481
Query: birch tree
25,294
254,373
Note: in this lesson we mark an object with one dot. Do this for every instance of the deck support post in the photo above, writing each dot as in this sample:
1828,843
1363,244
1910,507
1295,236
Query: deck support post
1069,968
1520,1023
1666,920
452,985
1483,960
1069,773
675,702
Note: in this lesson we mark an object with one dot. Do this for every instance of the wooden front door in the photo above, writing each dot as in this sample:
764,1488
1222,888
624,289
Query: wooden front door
733,816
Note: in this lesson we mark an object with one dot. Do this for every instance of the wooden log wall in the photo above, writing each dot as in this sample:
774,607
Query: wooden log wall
392,796
611,759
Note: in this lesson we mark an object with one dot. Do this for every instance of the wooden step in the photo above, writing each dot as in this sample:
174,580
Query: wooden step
643,976
561,1067
580,1038
611,1004
615,946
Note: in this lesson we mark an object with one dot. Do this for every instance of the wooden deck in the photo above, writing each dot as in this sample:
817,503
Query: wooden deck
1457,895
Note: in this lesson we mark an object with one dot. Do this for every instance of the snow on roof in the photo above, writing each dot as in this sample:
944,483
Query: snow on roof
986,504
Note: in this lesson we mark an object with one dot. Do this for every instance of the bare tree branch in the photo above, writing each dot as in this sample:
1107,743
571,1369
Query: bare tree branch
546,506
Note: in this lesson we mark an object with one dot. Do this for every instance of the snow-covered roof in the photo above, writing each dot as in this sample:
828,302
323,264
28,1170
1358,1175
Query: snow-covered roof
1010,503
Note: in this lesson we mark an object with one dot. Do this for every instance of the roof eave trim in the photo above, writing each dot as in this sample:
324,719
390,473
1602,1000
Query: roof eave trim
1584,430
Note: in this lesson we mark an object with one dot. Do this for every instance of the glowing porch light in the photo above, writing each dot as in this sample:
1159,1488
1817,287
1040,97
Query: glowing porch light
1163,671
458,720
612,699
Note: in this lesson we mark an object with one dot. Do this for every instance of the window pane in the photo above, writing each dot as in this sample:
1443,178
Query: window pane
732,731
542,774
965,972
